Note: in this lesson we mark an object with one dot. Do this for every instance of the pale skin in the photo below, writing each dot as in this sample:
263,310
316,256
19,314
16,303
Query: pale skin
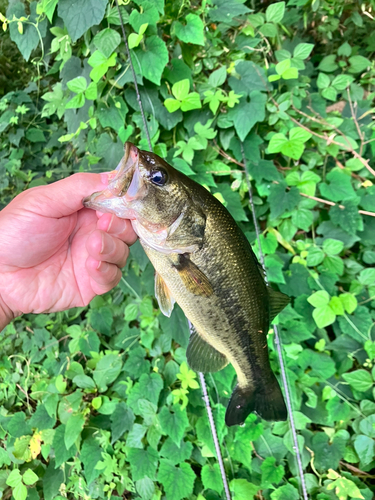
55,254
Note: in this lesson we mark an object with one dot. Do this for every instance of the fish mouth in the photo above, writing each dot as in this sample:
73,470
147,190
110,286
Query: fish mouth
124,178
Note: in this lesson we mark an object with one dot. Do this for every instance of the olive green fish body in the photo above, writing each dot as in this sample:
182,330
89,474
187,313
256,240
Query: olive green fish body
204,262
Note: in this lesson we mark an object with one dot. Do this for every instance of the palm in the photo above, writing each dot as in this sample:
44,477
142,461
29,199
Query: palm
54,256
52,276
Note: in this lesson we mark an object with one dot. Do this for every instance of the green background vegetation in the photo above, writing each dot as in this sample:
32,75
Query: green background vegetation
99,402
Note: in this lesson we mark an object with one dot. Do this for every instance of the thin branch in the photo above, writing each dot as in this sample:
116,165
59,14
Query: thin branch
355,121
332,204
330,140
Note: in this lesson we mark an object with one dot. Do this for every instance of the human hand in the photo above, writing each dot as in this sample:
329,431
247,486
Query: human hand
54,253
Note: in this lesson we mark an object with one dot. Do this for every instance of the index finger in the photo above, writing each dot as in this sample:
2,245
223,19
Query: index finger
120,228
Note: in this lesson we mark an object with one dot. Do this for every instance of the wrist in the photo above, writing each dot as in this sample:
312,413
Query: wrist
6,315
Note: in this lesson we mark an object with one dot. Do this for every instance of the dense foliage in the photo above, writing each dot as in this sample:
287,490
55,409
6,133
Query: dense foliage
99,402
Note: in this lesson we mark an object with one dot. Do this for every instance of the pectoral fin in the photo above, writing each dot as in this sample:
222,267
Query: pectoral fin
277,302
163,295
202,357
194,279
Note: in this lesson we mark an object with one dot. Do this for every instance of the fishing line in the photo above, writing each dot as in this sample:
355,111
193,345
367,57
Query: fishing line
201,376
277,340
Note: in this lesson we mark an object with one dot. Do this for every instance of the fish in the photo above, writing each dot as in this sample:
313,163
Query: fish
204,262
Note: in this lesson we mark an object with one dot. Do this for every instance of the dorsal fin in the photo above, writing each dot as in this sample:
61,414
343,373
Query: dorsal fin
277,302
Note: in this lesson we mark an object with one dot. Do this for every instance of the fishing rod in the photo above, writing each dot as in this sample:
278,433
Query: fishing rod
201,375
277,337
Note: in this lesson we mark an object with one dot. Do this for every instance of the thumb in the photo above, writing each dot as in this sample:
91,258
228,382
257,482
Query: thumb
64,197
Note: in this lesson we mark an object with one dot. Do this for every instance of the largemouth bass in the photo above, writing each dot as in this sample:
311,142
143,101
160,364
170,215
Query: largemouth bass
204,262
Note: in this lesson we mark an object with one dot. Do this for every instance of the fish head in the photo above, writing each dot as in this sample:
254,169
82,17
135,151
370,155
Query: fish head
143,187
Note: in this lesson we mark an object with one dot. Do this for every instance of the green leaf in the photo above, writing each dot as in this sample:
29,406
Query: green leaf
146,488
181,89
143,463
35,135
324,316
178,482
285,492
149,15
20,492
290,73
275,12
122,420
78,101
271,474
299,134
80,16
360,380
174,423
303,50
339,187
107,370
176,453
225,10
77,85
341,82
107,41
349,302
302,218
14,478
192,31
276,143
315,256
91,454
73,429
29,477
211,477
84,382
41,419
328,64
246,114
172,105
358,64
367,277
218,77
29,39
191,101
153,59
61,452
365,448
242,489
348,218
332,247
323,81
281,199
319,299
250,77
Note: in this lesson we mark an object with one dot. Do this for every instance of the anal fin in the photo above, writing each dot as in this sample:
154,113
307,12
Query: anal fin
163,295
193,278
202,357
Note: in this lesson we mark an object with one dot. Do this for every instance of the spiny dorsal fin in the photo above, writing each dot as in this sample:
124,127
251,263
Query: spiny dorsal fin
202,357
278,301
194,280
163,295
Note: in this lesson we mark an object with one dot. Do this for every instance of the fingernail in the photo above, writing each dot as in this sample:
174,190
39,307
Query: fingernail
107,241
102,266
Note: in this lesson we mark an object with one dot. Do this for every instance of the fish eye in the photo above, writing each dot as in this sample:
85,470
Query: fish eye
159,177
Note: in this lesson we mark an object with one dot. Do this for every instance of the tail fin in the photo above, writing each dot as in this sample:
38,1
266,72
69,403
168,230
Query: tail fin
266,400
